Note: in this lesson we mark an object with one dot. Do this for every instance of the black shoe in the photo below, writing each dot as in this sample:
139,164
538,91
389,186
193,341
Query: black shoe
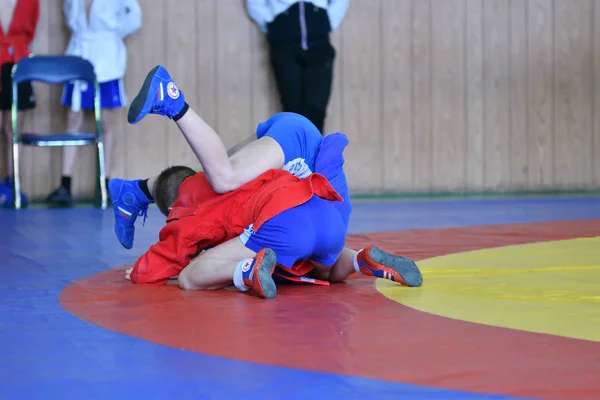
60,196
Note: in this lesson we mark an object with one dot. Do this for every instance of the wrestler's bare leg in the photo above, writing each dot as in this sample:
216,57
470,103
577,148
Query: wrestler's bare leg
159,95
371,261
338,272
231,263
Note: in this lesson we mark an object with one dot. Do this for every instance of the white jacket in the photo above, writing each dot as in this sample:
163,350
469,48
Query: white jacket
100,40
264,12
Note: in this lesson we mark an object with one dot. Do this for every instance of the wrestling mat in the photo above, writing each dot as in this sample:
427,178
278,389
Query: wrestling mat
510,308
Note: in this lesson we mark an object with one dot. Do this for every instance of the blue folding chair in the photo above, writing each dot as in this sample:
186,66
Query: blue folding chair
56,70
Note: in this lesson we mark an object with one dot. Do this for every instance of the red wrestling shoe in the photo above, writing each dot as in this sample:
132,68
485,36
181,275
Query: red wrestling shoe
379,263
258,274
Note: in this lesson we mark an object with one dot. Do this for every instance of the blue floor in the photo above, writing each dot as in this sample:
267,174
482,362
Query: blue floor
46,353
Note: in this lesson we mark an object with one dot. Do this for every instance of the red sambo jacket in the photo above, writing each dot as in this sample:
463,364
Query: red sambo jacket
16,38
201,218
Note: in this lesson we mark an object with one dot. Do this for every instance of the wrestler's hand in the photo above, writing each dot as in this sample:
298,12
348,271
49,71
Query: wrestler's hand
128,272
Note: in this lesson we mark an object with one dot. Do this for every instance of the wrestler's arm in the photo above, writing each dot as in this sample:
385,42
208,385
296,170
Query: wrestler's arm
168,257
241,144
163,262
171,281
175,279
230,152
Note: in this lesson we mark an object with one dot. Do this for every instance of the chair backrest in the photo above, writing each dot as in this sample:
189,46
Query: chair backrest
53,69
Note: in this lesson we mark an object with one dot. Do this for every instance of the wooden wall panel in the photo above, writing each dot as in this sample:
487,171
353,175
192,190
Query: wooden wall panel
496,99
434,95
573,92
181,62
474,34
448,95
234,85
396,99
206,61
361,77
264,101
146,143
595,148
335,116
541,92
518,92
421,94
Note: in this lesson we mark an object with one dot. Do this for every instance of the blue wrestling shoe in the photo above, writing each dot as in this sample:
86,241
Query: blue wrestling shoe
158,95
6,195
128,203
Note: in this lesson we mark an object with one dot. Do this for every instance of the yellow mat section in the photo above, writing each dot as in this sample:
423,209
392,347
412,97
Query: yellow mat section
549,287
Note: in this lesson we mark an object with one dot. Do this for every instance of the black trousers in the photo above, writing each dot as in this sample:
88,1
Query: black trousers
304,79
25,89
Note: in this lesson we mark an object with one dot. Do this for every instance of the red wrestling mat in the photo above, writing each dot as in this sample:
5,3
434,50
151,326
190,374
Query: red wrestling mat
352,329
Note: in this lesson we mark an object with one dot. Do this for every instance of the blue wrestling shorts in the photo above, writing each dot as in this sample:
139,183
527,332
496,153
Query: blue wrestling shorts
314,230
112,95
299,139
317,229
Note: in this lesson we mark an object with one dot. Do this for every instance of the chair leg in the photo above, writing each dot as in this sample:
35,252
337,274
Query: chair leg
102,176
16,186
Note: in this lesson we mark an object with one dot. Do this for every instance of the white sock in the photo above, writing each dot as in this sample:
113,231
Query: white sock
238,277
356,267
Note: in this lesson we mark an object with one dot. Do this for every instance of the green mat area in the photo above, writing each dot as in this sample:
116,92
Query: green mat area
474,194
415,196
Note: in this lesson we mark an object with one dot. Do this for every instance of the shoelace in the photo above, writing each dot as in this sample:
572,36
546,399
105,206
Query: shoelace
160,108
144,213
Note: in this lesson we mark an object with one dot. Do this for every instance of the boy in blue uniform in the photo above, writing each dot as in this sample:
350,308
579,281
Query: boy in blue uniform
286,141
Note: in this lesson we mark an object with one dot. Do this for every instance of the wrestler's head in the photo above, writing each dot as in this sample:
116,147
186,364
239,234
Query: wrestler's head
166,187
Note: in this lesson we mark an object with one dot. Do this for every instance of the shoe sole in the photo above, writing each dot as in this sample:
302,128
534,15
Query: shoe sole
138,103
405,267
265,274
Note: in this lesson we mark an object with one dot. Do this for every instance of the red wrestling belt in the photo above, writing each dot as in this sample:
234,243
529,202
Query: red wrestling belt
297,275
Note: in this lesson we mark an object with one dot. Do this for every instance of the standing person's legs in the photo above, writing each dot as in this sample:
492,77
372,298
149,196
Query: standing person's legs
112,97
287,70
62,194
109,117
7,131
26,102
6,183
317,81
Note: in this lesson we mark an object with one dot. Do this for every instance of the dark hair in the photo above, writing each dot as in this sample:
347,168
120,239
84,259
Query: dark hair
166,187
